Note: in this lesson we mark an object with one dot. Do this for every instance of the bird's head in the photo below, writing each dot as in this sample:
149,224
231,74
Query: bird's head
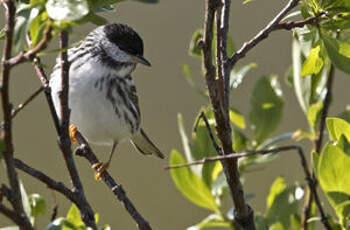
119,46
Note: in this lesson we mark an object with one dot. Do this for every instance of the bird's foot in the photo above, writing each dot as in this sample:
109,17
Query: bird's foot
72,132
100,167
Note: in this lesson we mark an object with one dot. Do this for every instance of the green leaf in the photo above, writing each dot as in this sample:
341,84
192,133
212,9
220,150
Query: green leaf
212,221
37,27
71,10
313,63
343,211
313,114
238,73
281,204
73,217
237,118
239,140
24,17
37,204
302,86
315,160
266,108
276,188
191,186
339,52
333,169
194,49
338,127
247,1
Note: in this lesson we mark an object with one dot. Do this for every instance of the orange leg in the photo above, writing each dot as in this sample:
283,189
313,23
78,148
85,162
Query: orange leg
72,131
100,167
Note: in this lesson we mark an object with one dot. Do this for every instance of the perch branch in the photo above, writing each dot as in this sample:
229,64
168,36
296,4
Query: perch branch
85,151
64,142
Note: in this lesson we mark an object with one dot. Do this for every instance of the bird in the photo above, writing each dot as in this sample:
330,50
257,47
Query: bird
102,94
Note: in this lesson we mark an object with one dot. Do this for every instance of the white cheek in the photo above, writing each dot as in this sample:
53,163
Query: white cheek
113,51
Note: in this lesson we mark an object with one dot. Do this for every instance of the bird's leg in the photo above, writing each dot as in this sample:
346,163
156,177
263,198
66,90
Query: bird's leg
100,166
72,132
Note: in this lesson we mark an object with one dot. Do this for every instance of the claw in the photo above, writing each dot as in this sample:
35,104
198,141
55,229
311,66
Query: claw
72,131
100,167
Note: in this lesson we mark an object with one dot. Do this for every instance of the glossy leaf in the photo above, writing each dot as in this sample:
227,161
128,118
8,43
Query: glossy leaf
313,114
313,63
37,204
24,16
339,52
237,118
266,108
240,141
302,86
338,127
71,10
73,217
281,204
333,169
190,185
212,221
238,73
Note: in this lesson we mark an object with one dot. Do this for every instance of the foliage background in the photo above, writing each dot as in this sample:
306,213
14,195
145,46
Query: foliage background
166,28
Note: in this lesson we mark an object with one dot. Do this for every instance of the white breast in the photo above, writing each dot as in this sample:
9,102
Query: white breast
91,112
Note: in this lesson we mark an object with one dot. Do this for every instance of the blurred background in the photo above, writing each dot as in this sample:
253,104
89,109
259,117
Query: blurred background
166,29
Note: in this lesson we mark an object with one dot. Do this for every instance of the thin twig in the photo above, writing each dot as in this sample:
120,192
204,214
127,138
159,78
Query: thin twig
45,84
85,209
300,23
85,151
264,33
26,102
30,54
10,11
211,135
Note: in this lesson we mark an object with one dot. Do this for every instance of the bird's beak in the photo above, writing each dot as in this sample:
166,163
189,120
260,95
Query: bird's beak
140,59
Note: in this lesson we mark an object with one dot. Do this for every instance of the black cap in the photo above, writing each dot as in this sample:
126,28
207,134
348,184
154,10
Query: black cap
125,38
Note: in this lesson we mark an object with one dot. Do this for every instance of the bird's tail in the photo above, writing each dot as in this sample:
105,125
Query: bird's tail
145,145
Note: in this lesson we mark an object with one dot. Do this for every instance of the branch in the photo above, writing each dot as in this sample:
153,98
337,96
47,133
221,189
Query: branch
219,97
10,10
26,102
64,142
85,151
30,54
264,33
51,183
301,23
12,215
